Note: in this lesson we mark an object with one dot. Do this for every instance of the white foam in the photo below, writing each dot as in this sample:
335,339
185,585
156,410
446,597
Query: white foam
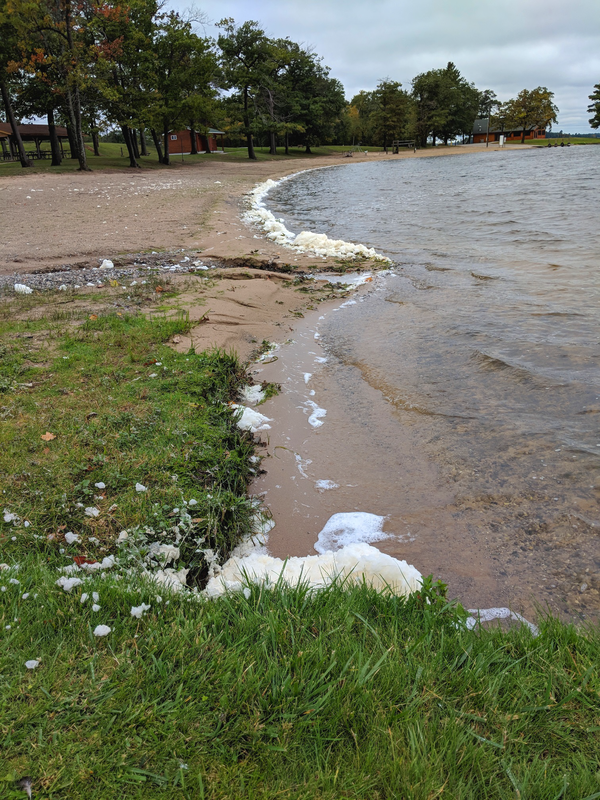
354,564
20,288
251,420
315,417
348,528
253,394
305,242
489,614
301,463
324,486
307,376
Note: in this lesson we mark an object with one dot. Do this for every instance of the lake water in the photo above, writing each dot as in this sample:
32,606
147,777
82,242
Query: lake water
463,389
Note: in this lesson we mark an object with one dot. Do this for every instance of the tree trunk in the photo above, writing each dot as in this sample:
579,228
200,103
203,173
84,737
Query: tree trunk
143,148
194,147
523,135
25,162
74,110
54,143
95,137
129,144
433,138
287,143
250,143
134,143
72,142
166,160
272,143
308,150
157,144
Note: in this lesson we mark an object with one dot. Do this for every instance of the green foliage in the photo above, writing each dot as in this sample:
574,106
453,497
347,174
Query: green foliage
389,117
446,105
594,107
530,109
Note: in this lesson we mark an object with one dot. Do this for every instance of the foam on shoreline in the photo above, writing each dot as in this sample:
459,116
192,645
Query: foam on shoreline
318,244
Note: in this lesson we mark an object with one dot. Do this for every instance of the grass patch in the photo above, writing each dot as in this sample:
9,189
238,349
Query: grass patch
108,402
342,694
566,139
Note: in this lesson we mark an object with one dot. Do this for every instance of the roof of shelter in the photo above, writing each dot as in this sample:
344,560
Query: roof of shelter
481,126
41,131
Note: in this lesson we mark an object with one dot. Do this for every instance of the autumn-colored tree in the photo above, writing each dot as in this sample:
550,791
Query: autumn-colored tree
9,53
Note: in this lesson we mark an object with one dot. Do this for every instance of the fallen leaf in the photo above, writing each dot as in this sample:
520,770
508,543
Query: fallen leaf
176,339
91,414
79,560
93,316
159,289
47,437
46,450
114,283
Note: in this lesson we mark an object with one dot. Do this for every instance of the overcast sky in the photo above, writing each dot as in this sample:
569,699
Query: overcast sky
504,45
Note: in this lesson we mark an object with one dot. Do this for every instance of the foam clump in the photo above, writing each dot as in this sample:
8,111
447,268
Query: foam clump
348,528
251,420
20,288
107,264
352,564
253,394
305,242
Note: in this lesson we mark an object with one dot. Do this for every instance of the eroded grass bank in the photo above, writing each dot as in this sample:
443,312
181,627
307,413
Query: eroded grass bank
343,693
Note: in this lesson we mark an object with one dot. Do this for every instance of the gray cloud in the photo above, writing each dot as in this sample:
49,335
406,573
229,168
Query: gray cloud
505,45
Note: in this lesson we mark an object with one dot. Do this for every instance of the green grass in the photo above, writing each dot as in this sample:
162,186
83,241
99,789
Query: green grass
344,693
565,139
123,408
111,158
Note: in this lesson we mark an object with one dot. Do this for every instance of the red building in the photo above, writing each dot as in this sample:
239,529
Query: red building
513,135
181,141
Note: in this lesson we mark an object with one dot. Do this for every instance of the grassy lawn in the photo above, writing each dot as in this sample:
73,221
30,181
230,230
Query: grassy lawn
114,156
344,693
565,139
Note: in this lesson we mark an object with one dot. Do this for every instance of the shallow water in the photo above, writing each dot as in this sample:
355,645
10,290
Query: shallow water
463,391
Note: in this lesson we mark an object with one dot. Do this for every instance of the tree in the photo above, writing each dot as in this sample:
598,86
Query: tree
185,70
531,109
360,114
8,54
244,51
125,67
317,100
53,37
446,104
390,112
594,107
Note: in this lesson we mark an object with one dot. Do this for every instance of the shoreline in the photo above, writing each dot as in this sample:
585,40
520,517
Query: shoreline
77,220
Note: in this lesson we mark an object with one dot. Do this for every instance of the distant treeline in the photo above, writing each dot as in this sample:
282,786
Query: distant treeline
96,66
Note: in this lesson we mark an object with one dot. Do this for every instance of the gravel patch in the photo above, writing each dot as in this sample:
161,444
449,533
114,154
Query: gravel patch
94,277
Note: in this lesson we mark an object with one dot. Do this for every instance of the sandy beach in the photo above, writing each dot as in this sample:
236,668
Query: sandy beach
75,220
